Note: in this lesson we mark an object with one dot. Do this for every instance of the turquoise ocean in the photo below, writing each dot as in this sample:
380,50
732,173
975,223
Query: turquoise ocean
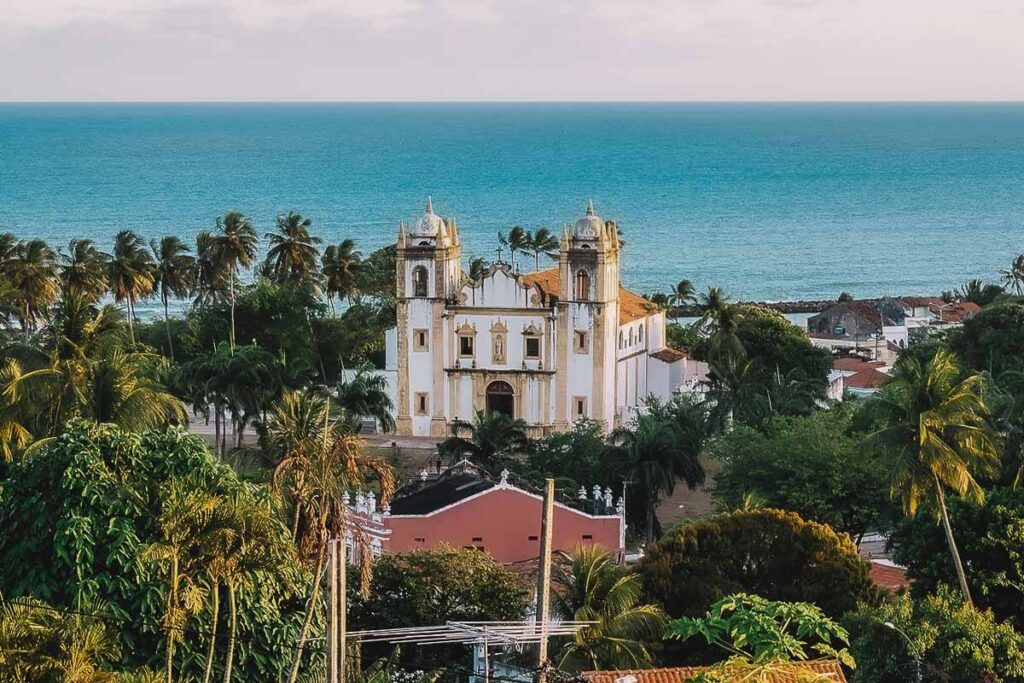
769,201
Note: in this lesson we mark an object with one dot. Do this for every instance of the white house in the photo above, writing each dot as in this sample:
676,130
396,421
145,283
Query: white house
549,347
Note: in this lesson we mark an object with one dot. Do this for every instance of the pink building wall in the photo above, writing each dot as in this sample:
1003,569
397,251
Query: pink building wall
505,522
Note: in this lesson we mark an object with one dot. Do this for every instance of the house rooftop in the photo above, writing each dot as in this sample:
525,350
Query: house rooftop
632,306
792,672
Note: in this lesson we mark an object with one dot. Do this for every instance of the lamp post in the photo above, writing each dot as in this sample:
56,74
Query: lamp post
911,647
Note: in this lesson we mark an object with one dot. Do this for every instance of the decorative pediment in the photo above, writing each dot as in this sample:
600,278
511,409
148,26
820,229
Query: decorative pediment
532,331
466,328
499,326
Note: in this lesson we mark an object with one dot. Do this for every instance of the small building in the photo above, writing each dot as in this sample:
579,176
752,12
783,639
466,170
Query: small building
464,508
857,376
824,670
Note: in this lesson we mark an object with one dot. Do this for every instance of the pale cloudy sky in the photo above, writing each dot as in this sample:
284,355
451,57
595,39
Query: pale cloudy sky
511,50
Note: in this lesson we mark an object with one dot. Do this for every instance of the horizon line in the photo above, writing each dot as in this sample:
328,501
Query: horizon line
511,102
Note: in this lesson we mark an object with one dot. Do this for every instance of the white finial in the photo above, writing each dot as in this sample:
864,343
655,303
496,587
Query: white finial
346,499
430,205
590,207
504,476
597,492
620,506
371,501
360,502
608,497
423,474
583,492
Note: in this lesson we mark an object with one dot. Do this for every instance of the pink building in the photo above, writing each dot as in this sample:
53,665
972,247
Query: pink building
464,509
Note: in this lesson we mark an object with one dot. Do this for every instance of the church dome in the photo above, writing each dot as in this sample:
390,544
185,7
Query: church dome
590,226
429,224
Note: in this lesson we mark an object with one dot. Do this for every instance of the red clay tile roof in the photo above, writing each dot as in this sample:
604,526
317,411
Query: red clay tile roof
668,355
796,672
866,379
855,364
957,312
888,576
631,306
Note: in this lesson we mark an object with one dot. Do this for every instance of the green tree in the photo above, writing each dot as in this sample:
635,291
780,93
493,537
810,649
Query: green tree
981,293
992,340
35,286
233,246
516,239
132,273
174,276
935,433
814,466
84,269
210,275
756,630
770,553
430,587
488,441
683,294
990,536
543,241
1014,275
367,394
293,255
661,447
340,271
596,588
181,523
956,642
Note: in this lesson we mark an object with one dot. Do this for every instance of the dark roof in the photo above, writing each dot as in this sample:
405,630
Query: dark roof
448,489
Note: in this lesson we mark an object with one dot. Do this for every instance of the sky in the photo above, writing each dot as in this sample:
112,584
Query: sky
520,50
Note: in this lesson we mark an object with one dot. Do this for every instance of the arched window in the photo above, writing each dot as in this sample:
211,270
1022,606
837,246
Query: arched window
500,398
582,285
419,281
641,334
622,342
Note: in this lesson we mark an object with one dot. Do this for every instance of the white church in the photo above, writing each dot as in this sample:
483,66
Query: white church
549,347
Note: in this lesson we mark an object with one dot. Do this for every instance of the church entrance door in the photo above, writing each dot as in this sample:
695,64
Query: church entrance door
500,398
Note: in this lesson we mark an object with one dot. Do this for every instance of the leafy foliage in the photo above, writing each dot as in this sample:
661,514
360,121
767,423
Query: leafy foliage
815,466
957,643
758,631
77,516
770,553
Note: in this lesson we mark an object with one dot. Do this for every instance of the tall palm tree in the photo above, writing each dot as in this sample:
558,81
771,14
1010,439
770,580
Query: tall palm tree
936,433
683,293
543,241
8,253
14,435
293,254
714,301
596,588
515,240
978,292
182,520
234,247
486,441
340,270
175,276
654,453
367,394
1014,275
316,476
84,269
477,268
34,282
132,273
210,277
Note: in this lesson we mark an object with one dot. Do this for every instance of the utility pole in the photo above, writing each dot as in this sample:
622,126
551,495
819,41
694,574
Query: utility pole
544,578
336,607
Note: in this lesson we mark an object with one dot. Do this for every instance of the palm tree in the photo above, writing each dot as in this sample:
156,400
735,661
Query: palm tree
596,588
714,301
486,441
209,272
8,253
34,282
1014,275
316,477
340,270
14,435
477,268
293,254
515,240
936,432
84,269
979,292
234,247
543,241
653,453
175,276
132,273
367,394
682,294
182,520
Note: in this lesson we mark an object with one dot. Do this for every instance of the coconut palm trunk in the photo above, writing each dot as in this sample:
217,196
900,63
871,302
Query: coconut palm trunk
131,319
232,626
231,335
308,620
948,528
215,613
167,327
172,599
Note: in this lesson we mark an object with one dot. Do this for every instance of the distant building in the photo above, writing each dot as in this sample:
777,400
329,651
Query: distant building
462,507
856,376
548,347
792,672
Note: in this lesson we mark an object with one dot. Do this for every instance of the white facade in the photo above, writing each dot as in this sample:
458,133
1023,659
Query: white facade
548,347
